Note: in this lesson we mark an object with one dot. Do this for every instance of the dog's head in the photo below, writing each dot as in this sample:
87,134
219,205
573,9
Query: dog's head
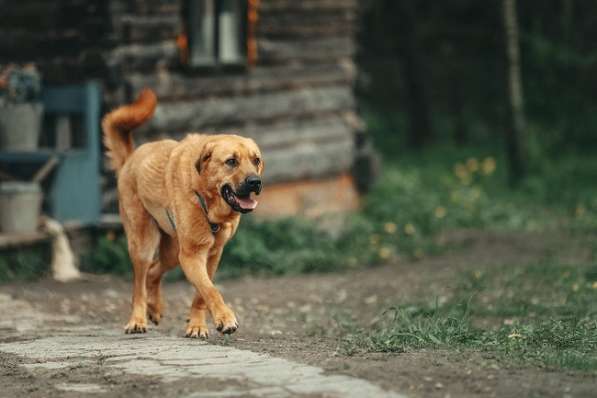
232,166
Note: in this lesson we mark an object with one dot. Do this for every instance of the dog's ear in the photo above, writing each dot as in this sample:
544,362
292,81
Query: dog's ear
203,157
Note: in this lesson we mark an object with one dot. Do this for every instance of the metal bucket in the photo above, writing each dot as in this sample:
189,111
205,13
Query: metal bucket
20,126
20,206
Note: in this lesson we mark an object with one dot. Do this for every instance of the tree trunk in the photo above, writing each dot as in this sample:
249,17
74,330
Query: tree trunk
458,108
567,20
414,76
515,132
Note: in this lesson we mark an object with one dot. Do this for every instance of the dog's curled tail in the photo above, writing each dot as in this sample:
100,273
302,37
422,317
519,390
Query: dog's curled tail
119,123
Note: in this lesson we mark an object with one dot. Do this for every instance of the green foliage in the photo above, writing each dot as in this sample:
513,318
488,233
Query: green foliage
110,255
544,314
281,247
24,264
467,86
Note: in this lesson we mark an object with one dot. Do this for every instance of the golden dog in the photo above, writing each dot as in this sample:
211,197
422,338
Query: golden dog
180,202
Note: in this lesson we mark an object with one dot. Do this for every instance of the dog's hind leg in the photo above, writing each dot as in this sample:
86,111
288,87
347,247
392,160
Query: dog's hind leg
143,238
168,259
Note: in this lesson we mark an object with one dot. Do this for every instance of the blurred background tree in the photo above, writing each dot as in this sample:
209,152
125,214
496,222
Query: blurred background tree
451,71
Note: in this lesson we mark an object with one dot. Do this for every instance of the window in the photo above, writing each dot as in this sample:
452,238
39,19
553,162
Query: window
215,32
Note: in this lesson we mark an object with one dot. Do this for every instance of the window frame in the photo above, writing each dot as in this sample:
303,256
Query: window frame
192,24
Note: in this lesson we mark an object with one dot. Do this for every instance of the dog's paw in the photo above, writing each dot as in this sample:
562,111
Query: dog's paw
136,325
154,314
197,332
225,321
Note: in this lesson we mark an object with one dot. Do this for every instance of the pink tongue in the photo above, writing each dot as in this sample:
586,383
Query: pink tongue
247,203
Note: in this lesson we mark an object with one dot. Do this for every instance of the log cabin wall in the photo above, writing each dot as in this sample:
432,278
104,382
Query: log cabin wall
296,102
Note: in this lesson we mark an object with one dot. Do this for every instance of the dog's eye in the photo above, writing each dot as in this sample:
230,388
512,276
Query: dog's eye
232,162
256,161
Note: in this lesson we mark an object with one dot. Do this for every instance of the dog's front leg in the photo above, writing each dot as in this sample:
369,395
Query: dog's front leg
197,326
194,263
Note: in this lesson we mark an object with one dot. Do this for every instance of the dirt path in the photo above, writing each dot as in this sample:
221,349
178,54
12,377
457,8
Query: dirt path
293,319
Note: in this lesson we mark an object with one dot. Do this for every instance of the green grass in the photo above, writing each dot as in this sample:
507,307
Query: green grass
542,314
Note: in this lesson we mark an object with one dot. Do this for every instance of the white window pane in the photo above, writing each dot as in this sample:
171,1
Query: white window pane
230,31
201,32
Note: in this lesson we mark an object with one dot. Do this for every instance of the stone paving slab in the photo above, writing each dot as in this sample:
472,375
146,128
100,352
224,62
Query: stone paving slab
174,358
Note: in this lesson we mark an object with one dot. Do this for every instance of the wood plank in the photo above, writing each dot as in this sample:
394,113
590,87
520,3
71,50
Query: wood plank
195,115
291,51
177,86
330,128
135,56
316,26
308,160
289,5
148,28
22,239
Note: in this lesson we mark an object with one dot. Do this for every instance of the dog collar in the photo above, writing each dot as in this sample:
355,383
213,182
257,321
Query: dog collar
214,227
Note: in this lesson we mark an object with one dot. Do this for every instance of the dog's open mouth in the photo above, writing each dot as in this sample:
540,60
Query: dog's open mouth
241,203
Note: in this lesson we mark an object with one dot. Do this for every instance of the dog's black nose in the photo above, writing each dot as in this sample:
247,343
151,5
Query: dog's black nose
254,183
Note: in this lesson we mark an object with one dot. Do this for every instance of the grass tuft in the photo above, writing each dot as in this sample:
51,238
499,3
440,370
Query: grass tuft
543,314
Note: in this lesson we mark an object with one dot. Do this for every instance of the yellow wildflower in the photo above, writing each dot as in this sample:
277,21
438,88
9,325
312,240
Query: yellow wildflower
390,228
374,239
488,166
477,274
514,335
409,229
385,253
575,287
461,172
440,212
472,165
594,285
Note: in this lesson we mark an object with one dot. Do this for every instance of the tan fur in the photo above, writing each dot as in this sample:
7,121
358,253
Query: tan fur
164,175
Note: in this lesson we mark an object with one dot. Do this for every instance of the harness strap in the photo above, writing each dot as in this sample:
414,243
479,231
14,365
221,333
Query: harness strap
213,226
171,219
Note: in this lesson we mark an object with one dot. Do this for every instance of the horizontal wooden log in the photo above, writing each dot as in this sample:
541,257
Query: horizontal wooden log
139,56
285,5
148,7
291,51
308,160
316,26
147,29
281,136
195,115
178,86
